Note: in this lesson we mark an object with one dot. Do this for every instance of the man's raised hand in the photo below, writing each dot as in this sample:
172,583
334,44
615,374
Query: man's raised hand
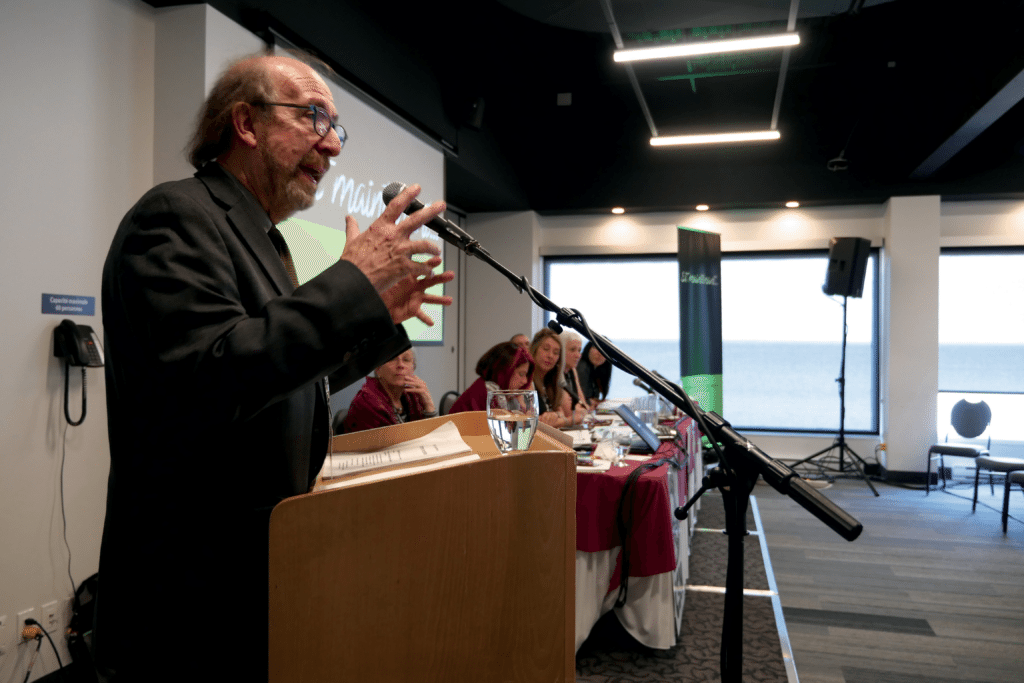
384,251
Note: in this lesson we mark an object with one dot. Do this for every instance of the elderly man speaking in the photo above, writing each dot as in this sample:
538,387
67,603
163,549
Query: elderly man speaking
216,361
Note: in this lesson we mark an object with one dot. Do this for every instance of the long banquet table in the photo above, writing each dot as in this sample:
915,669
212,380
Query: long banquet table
658,543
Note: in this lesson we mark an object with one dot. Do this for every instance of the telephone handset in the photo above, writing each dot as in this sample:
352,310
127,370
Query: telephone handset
79,344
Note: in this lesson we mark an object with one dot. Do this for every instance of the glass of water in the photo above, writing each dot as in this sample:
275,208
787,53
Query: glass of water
512,418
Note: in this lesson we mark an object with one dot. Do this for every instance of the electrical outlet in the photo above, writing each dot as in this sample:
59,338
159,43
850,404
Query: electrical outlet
52,616
29,613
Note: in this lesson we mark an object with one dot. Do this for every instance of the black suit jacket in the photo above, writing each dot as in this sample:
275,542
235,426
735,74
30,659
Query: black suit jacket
216,412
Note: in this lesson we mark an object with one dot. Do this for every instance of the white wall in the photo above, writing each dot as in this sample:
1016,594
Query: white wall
912,230
493,309
87,125
76,130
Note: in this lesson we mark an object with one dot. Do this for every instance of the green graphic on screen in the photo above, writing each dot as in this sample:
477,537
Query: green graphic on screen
314,247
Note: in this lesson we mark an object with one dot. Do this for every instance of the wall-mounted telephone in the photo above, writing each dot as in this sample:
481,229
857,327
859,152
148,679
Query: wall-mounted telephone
78,344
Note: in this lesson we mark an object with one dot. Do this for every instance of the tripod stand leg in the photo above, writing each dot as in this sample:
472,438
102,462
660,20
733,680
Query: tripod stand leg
813,456
858,463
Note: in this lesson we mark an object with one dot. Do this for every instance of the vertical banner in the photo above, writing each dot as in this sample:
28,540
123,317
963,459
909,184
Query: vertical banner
700,317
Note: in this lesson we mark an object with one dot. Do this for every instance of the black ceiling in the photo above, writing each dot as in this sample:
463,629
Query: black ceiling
882,83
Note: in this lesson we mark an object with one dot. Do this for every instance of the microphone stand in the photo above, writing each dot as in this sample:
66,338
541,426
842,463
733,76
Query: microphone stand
741,462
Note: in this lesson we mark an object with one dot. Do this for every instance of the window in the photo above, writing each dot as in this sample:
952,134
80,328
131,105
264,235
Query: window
634,301
981,336
782,345
782,337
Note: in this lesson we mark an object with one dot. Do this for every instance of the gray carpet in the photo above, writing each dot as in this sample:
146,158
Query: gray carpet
610,655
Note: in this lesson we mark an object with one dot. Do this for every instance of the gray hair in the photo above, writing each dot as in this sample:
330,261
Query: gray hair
568,336
245,80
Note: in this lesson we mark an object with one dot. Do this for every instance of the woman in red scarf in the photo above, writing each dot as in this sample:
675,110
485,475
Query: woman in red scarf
393,396
504,366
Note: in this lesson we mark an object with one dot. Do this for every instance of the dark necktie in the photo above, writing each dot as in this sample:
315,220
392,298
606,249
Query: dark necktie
289,265
286,256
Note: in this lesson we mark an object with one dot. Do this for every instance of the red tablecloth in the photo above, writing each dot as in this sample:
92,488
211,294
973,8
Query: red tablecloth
652,550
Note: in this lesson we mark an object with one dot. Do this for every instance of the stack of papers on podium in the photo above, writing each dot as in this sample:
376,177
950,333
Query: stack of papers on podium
580,437
443,441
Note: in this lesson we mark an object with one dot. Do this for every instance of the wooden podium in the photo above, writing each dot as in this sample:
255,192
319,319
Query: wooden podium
459,574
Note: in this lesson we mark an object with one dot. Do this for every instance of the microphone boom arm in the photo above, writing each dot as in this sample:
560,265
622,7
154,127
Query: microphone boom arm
742,454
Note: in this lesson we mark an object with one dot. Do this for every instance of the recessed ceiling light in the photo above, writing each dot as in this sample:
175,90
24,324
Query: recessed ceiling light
618,209
792,205
706,47
703,207
663,140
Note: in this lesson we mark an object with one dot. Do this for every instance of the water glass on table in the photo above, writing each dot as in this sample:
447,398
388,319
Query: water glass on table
512,418
649,417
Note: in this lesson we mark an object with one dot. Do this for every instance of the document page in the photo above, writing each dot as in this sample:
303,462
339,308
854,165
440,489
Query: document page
445,440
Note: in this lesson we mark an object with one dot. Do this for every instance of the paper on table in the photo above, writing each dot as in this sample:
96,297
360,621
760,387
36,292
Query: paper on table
598,466
445,440
611,404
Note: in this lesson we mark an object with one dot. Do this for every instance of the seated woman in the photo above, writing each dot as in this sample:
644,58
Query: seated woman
571,344
505,366
555,404
394,395
595,373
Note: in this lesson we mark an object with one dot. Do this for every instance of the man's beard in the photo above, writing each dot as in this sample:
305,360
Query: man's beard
290,191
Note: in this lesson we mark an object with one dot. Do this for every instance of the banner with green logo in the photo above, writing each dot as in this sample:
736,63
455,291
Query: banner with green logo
700,317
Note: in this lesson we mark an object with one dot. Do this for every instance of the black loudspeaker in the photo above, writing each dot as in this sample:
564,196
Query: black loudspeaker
847,265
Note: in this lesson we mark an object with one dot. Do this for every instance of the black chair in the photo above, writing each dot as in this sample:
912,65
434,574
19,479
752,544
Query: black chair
970,420
1011,479
1008,467
446,402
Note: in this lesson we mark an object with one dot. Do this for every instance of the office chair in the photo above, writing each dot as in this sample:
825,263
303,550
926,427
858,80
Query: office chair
446,402
970,420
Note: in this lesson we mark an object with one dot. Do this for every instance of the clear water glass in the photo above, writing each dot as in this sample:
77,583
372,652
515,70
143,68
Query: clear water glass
512,418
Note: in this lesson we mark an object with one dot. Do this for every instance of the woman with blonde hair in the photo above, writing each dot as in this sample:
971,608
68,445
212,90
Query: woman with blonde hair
555,404
572,345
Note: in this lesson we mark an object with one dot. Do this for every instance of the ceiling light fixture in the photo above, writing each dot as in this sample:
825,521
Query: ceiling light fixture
792,205
703,207
714,138
618,209
707,47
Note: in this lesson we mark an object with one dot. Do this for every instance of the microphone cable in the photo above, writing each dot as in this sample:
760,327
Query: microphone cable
625,522
39,639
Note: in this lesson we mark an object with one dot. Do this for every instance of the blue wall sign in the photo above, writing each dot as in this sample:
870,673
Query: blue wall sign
69,304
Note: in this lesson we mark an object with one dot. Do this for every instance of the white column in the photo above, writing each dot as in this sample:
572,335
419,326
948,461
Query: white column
909,342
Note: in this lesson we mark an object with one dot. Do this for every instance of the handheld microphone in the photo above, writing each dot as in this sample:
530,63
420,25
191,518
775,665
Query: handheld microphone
446,230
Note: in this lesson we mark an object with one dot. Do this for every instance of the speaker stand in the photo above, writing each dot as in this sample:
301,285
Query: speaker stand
840,445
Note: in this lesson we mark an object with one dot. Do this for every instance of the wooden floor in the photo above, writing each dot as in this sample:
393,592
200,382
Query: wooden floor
929,592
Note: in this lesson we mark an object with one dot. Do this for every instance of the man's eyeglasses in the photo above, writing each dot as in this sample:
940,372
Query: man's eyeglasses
322,121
